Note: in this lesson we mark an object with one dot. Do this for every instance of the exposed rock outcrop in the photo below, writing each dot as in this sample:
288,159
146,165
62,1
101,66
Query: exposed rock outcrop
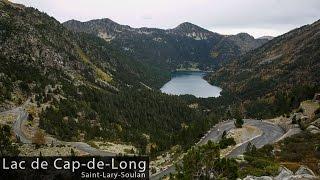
303,173
303,170
313,129
284,172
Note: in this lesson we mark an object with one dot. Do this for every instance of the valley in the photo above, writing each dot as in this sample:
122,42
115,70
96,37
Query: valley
198,103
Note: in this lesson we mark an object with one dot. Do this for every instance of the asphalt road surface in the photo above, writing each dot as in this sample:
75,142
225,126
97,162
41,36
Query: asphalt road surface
22,116
270,134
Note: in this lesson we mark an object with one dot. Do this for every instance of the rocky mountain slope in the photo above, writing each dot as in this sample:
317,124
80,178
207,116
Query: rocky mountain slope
238,44
184,46
287,64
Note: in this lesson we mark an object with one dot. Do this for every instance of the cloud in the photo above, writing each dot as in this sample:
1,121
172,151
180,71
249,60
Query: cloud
257,17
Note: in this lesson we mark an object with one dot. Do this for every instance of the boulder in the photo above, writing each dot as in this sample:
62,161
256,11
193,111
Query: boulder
284,172
316,123
303,173
303,170
301,177
313,129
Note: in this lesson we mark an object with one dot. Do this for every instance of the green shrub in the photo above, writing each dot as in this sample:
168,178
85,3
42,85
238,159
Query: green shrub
225,142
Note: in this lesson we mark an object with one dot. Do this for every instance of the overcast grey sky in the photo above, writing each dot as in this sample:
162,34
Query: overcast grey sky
256,17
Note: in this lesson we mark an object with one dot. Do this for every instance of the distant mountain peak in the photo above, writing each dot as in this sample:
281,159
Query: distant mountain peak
97,22
187,26
105,28
266,37
244,35
245,41
191,30
72,21
103,23
104,20
241,36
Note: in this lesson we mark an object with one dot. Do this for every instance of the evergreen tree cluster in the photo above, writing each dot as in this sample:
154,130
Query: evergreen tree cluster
204,162
139,116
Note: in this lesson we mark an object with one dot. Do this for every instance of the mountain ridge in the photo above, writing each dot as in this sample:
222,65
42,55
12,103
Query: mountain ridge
284,69
183,46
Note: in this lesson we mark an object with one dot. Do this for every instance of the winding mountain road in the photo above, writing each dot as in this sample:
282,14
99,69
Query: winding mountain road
270,134
22,116
17,126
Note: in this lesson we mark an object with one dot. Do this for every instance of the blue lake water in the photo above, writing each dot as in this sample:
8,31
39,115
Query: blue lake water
191,83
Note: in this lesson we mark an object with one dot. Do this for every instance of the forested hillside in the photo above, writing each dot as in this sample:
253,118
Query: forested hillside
89,88
277,76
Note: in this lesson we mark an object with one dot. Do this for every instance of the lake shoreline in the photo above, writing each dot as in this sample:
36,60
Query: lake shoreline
190,83
190,70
